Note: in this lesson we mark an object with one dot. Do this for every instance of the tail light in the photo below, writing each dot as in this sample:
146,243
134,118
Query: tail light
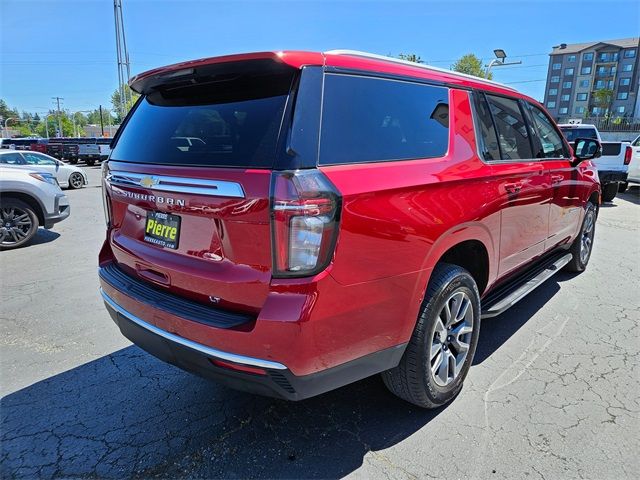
627,155
305,211
106,201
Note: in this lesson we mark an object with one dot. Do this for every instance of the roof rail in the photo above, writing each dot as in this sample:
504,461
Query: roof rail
356,53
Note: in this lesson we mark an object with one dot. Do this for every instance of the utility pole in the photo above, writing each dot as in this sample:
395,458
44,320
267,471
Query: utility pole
57,99
122,56
101,122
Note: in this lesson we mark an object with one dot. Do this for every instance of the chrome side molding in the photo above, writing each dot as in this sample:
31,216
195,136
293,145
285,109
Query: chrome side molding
163,183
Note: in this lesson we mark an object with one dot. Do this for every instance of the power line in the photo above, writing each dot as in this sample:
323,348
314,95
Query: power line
526,81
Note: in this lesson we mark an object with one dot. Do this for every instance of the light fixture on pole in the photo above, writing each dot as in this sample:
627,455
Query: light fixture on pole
499,61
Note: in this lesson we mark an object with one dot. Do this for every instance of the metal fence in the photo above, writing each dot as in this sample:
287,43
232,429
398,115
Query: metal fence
605,124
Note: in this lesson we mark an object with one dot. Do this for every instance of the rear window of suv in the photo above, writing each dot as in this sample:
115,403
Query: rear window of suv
230,123
571,133
368,119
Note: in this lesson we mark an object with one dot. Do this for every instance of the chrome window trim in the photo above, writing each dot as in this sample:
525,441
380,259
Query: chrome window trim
211,352
164,183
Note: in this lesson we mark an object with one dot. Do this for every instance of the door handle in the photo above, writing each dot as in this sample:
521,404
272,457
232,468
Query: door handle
556,179
513,187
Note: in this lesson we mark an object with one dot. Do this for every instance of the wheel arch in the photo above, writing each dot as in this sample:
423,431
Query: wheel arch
30,200
470,246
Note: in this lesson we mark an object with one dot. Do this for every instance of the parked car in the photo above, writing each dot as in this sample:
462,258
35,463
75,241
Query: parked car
613,164
634,166
67,176
28,199
345,215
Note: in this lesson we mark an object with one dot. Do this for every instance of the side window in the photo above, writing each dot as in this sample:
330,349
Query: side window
486,137
12,159
35,159
513,136
366,119
551,144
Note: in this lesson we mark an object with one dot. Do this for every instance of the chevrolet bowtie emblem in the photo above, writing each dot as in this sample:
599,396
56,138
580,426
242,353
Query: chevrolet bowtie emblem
148,182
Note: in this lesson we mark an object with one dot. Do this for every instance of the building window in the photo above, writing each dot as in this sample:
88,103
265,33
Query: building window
567,84
602,70
551,104
627,68
553,91
563,110
610,84
585,71
596,110
587,56
606,57
555,79
615,57
630,53
568,71
579,110
620,109
581,97
599,84
622,95
556,66
584,83
565,98
571,58
625,81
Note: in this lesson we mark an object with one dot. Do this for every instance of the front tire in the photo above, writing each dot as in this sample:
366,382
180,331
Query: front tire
444,341
19,223
583,244
609,192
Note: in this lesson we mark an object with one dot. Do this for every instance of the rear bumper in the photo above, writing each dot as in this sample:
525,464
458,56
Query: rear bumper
268,378
612,176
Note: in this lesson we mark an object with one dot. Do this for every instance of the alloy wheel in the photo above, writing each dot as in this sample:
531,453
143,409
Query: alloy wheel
451,338
587,236
16,225
76,180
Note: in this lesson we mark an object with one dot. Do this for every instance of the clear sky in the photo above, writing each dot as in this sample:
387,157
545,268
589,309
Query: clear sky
67,48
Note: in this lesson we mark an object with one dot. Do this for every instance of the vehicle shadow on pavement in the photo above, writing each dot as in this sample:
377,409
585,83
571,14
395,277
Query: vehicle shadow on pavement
494,332
41,237
631,195
130,415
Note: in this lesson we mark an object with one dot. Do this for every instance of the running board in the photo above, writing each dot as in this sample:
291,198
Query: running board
514,291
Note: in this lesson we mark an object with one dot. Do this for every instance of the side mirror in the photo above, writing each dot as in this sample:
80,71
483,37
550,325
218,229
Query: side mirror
586,149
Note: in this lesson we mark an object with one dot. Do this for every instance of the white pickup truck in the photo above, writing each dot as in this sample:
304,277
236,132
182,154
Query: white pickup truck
613,165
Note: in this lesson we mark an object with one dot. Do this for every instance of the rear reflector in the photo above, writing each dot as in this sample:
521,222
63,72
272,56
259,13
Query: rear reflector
238,367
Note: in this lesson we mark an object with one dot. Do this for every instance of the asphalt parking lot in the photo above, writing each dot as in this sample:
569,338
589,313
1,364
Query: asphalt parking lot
554,391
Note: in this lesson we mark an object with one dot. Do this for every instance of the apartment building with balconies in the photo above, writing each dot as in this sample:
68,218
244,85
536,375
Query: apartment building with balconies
577,71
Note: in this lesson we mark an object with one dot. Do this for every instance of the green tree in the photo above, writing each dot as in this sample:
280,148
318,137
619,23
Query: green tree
115,101
602,98
471,65
52,124
410,57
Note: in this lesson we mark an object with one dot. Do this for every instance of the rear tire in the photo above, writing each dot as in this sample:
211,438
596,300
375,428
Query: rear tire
438,356
622,187
76,181
583,244
609,192
19,223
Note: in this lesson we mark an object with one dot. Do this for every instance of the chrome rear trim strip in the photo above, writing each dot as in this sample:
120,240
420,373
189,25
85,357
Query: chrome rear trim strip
163,183
211,352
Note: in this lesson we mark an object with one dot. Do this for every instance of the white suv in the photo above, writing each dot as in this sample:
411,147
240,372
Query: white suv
28,199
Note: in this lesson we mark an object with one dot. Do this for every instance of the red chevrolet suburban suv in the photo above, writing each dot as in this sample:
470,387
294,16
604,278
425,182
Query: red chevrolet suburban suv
333,216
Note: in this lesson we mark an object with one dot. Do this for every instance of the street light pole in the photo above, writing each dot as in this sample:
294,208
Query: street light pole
499,61
6,128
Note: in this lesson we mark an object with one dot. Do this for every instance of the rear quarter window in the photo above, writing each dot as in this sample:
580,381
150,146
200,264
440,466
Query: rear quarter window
367,119
571,133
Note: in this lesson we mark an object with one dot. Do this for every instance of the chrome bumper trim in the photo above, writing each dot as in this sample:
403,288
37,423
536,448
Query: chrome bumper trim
211,352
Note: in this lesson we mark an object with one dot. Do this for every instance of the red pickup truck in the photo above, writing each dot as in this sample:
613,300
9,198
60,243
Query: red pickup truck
338,215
